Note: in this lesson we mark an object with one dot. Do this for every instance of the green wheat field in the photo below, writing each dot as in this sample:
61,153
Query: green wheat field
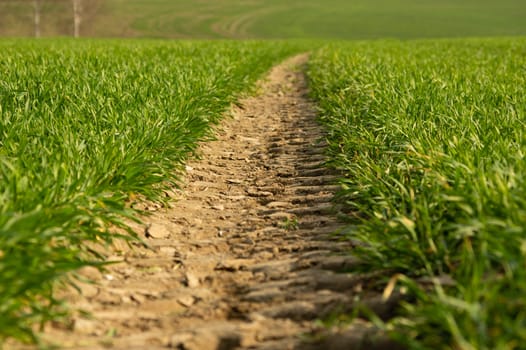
424,103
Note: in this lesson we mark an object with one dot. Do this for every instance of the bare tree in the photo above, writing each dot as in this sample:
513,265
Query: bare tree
77,17
83,12
36,5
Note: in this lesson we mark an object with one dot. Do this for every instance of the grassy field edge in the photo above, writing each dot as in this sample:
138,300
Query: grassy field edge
115,124
430,138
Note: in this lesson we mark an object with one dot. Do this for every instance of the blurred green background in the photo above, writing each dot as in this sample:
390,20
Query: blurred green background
335,19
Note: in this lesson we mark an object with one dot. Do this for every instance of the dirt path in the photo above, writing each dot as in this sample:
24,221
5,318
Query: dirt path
245,258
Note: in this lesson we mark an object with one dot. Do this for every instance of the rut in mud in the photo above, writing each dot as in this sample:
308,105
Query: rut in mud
246,257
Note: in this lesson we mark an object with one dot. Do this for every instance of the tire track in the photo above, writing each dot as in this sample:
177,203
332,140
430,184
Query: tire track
246,257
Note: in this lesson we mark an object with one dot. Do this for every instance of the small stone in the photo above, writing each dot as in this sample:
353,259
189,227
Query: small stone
88,290
219,207
90,272
156,230
82,325
125,299
191,280
168,251
234,181
186,300
138,298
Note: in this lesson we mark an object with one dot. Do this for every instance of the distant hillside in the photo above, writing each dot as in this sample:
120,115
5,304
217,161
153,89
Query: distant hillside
343,19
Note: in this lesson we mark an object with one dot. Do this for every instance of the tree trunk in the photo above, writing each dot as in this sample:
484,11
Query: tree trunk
77,12
36,5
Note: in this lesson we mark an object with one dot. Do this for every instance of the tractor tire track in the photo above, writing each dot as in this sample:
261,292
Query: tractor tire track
246,257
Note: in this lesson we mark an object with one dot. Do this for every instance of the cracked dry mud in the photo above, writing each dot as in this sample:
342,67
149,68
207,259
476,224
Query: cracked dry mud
246,257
